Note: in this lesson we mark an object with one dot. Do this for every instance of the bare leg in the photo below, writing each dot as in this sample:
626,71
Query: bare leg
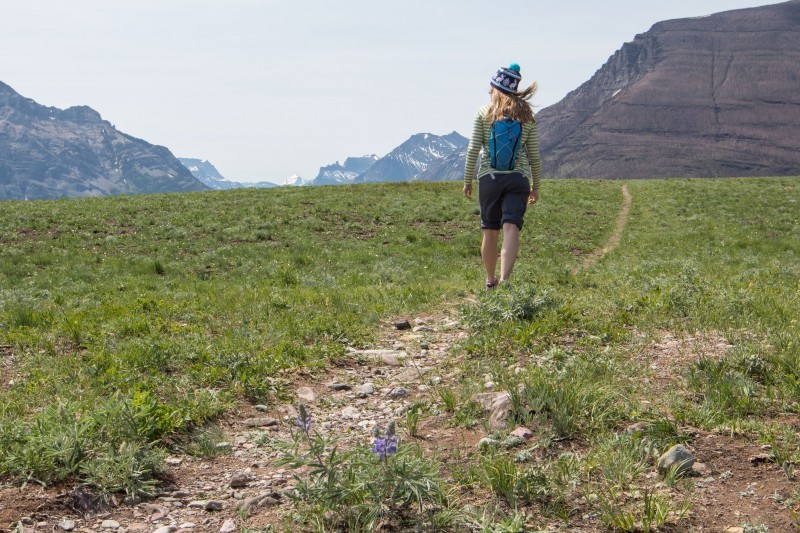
489,252
508,255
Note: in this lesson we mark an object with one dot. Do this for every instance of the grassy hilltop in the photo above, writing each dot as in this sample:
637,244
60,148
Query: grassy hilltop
128,324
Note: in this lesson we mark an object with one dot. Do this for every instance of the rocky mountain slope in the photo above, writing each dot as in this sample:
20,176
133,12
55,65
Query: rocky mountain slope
709,96
208,174
344,173
47,152
413,157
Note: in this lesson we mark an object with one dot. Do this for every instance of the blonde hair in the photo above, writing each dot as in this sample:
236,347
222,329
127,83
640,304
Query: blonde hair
511,105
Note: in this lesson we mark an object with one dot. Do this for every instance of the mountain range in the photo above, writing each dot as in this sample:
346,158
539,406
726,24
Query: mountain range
210,177
47,152
698,97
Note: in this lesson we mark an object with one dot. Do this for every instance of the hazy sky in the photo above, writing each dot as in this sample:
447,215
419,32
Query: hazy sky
265,89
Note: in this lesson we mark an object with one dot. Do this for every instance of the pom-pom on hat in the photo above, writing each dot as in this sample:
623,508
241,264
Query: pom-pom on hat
507,80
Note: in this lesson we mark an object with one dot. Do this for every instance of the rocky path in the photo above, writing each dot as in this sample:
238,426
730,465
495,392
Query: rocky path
242,487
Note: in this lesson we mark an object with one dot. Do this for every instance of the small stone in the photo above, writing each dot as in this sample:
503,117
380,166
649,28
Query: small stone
306,394
187,525
109,524
197,504
734,529
228,526
522,433
419,329
260,422
213,505
339,386
402,325
489,385
67,525
366,388
390,360
262,408
424,346
223,446
678,457
239,481
351,413
173,461
165,529
398,392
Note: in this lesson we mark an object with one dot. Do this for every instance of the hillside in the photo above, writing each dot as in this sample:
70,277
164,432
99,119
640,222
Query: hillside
47,152
698,97
154,349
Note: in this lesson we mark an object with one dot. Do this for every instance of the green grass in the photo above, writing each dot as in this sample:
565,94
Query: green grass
127,321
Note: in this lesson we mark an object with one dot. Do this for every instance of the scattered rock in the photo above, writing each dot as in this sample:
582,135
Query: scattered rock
397,393
351,413
402,325
187,525
262,408
522,433
339,386
264,500
213,505
498,404
173,461
67,525
260,422
239,481
366,388
223,446
391,359
678,457
109,524
228,526
306,394
165,529
761,458
735,529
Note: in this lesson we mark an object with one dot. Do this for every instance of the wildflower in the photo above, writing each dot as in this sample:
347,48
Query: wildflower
303,419
384,445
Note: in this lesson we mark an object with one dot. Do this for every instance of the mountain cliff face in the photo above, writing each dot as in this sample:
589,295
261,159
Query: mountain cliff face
700,97
413,157
337,173
52,153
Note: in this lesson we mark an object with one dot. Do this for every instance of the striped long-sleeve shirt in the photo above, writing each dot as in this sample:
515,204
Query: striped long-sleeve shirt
528,161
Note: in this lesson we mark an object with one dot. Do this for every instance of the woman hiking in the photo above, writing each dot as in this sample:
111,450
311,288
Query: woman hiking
510,171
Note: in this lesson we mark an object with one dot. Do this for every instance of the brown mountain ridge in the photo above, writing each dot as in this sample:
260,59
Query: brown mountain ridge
698,97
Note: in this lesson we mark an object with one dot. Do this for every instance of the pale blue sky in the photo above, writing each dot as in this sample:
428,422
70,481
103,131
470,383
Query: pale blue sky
266,89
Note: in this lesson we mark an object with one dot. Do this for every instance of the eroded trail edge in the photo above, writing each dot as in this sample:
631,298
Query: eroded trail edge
613,240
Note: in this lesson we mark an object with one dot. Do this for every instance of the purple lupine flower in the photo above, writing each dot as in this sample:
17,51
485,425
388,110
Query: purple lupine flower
384,445
303,419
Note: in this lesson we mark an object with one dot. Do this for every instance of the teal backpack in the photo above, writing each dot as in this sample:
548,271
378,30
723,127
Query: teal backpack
504,143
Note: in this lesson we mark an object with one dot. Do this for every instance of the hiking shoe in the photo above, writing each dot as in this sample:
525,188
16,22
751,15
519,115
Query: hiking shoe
491,284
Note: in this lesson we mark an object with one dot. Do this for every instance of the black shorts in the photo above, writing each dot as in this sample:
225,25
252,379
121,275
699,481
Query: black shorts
503,199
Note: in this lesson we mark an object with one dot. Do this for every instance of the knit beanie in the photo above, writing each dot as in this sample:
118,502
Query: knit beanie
507,79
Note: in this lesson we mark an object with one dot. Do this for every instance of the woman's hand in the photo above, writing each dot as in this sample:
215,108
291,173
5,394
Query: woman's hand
467,190
534,197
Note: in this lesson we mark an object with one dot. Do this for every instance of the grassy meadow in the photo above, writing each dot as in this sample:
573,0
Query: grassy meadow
127,324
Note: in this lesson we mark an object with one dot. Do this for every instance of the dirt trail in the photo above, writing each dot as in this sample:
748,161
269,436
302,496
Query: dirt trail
613,241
